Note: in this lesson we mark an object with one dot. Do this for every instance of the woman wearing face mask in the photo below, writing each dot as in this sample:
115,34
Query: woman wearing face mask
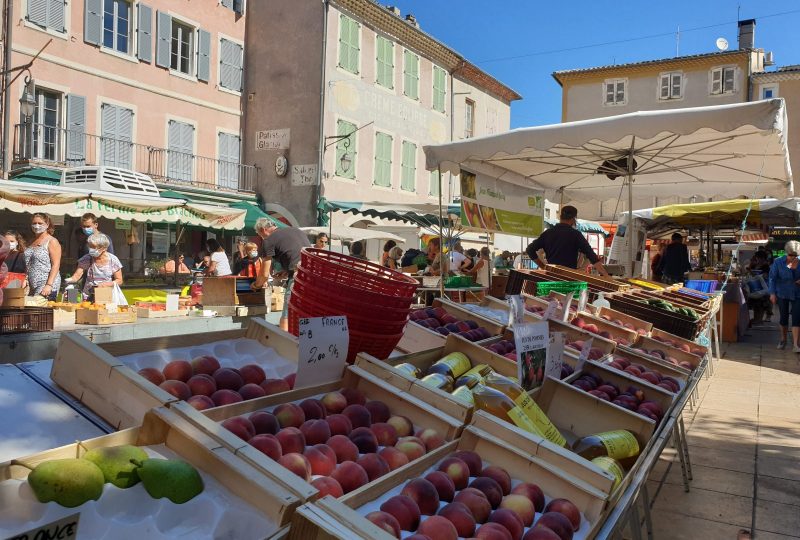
43,258
102,269
16,257
251,262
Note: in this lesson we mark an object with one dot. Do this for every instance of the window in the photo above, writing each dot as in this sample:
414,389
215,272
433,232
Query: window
383,160
348,44
410,74
182,48
671,85
385,63
229,152
116,136
230,65
769,92
117,25
49,14
615,91
46,125
180,153
347,145
469,119
433,184
439,88
235,5
408,179
722,80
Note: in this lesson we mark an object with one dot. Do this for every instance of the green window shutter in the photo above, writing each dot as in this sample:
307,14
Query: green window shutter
348,44
409,167
383,160
439,88
342,147
411,75
385,63
433,186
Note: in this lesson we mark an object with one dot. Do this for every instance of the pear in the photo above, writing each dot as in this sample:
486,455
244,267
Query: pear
115,462
68,482
174,479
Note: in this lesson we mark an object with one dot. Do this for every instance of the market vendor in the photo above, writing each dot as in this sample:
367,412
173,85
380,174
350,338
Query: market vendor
283,245
102,269
562,244
675,262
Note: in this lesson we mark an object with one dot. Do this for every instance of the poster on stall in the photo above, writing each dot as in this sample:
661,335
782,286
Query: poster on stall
532,341
490,204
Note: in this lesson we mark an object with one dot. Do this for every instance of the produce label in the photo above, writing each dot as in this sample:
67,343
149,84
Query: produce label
612,467
522,420
494,205
540,419
531,340
552,306
62,529
584,356
555,352
620,444
516,311
582,299
322,356
567,304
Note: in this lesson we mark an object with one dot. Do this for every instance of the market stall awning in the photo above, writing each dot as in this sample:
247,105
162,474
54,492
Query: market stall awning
422,214
722,213
61,200
583,225
253,213
353,234
37,175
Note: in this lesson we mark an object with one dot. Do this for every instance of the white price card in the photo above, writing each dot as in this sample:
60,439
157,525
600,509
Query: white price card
65,528
552,306
516,311
531,340
555,355
567,305
582,299
322,351
172,302
587,348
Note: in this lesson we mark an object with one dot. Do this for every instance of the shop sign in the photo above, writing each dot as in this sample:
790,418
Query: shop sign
273,139
494,205
304,175
65,528
322,350
122,224
785,233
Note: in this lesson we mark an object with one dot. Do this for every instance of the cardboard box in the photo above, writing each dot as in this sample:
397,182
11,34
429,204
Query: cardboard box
63,317
147,313
573,333
14,297
650,362
656,332
221,291
103,316
277,298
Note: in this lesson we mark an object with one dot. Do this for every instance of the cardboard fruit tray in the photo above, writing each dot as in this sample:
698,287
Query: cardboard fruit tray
651,362
615,330
625,318
679,354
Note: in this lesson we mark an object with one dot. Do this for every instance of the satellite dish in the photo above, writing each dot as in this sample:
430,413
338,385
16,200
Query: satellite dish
722,44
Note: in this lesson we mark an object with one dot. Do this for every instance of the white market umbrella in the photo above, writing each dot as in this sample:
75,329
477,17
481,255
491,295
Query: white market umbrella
353,234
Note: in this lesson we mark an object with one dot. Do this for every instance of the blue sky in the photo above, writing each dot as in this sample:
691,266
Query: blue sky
521,42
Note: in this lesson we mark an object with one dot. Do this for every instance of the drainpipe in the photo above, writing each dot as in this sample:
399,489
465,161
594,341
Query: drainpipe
323,86
8,14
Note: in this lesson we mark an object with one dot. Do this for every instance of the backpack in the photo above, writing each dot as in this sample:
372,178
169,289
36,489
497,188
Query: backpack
409,256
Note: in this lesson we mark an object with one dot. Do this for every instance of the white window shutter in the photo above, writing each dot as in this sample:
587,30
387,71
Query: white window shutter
125,137
93,22
144,34
203,55
716,81
665,86
55,15
76,130
728,82
609,92
37,12
620,92
108,135
677,81
163,39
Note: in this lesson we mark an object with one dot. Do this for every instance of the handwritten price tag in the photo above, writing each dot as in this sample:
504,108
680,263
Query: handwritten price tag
567,304
582,300
322,354
516,312
63,529
555,355
552,306
587,348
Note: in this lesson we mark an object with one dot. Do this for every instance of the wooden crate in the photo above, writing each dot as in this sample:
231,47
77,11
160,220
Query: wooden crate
625,318
691,344
417,338
63,317
645,342
312,522
163,427
103,316
623,380
399,402
573,333
93,374
599,282
616,331
520,464
650,362
221,291
147,313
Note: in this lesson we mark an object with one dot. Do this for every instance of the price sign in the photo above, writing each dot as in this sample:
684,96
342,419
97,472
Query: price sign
65,528
172,302
587,348
567,304
531,340
555,352
322,351
552,306
582,299
516,311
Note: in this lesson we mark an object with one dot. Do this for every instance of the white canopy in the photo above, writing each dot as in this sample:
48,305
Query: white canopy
724,151
353,234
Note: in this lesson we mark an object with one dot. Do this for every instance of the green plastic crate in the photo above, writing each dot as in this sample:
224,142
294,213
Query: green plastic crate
459,281
564,287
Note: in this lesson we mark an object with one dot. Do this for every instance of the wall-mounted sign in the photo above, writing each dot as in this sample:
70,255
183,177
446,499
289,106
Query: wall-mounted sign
122,224
273,139
304,175
787,232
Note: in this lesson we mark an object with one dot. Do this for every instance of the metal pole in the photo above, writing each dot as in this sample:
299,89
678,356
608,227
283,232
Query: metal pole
330,228
7,31
629,231
442,273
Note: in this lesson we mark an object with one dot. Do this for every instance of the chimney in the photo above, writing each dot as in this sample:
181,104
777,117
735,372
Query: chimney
394,9
747,34
410,19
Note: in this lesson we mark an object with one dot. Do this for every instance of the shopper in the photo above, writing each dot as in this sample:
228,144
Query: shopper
563,242
457,257
784,291
89,226
16,256
43,258
203,260
321,241
219,265
169,266
284,246
482,269
434,256
251,264
502,260
357,250
101,268
675,262
758,263
655,264
387,247
394,258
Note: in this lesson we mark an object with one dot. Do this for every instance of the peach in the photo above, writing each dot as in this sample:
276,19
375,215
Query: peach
499,475
394,457
490,488
334,402
424,493
265,422
364,439
385,433
431,438
200,403
327,486
268,445
403,425
292,440
461,518
205,365
405,510
374,465
510,520
240,426
339,424
438,527
327,450
153,375
532,492
477,503
457,470
202,385
556,522
290,378
274,386
354,396
378,410
493,531
252,374
321,463
411,448
566,507
350,476
359,415
289,415
316,431
228,379
344,448
418,536
443,484
313,409
251,391
385,521
298,464
540,533
520,505
472,459
226,397
178,389
178,370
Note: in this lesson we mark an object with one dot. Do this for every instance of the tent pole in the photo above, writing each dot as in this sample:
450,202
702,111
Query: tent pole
629,232
330,228
442,265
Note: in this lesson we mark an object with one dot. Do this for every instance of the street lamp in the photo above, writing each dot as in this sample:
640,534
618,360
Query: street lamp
27,102
346,161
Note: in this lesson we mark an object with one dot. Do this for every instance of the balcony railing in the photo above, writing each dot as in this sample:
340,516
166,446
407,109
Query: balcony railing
38,143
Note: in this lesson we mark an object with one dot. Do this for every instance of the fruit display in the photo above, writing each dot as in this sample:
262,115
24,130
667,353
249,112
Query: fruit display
632,398
498,315
653,376
617,337
670,307
627,325
577,345
685,347
439,320
507,348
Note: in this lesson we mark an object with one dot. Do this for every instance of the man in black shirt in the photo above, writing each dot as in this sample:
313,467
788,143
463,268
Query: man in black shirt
675,262
563,243
89,226
284,246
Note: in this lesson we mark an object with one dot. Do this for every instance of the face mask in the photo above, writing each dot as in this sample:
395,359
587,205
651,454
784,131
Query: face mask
12,245
253,254
94,252
39,227
88,231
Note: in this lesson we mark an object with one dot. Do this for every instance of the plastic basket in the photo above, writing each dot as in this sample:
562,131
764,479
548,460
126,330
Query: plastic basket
565,287
459,281
358,322
25,319
663,320
702,285
326,286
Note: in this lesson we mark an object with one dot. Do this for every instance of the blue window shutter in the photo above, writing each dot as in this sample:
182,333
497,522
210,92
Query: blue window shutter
227,4
124,137
37,12
76,130
144,34
108,135
93,21
204,55
163,42
55,15
238,6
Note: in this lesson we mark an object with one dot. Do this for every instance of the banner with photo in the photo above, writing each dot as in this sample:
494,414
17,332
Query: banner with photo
489,204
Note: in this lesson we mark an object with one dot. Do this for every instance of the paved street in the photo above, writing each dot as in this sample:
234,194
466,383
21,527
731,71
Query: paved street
744,440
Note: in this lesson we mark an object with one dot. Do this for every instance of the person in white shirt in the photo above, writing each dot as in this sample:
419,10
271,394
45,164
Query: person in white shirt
220,265
457,257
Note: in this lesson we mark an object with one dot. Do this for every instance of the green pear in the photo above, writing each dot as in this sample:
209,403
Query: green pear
115,462
68,482
174,479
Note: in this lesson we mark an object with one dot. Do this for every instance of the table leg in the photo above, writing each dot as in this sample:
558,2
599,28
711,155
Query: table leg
635,522
682,429
648,520
678,445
